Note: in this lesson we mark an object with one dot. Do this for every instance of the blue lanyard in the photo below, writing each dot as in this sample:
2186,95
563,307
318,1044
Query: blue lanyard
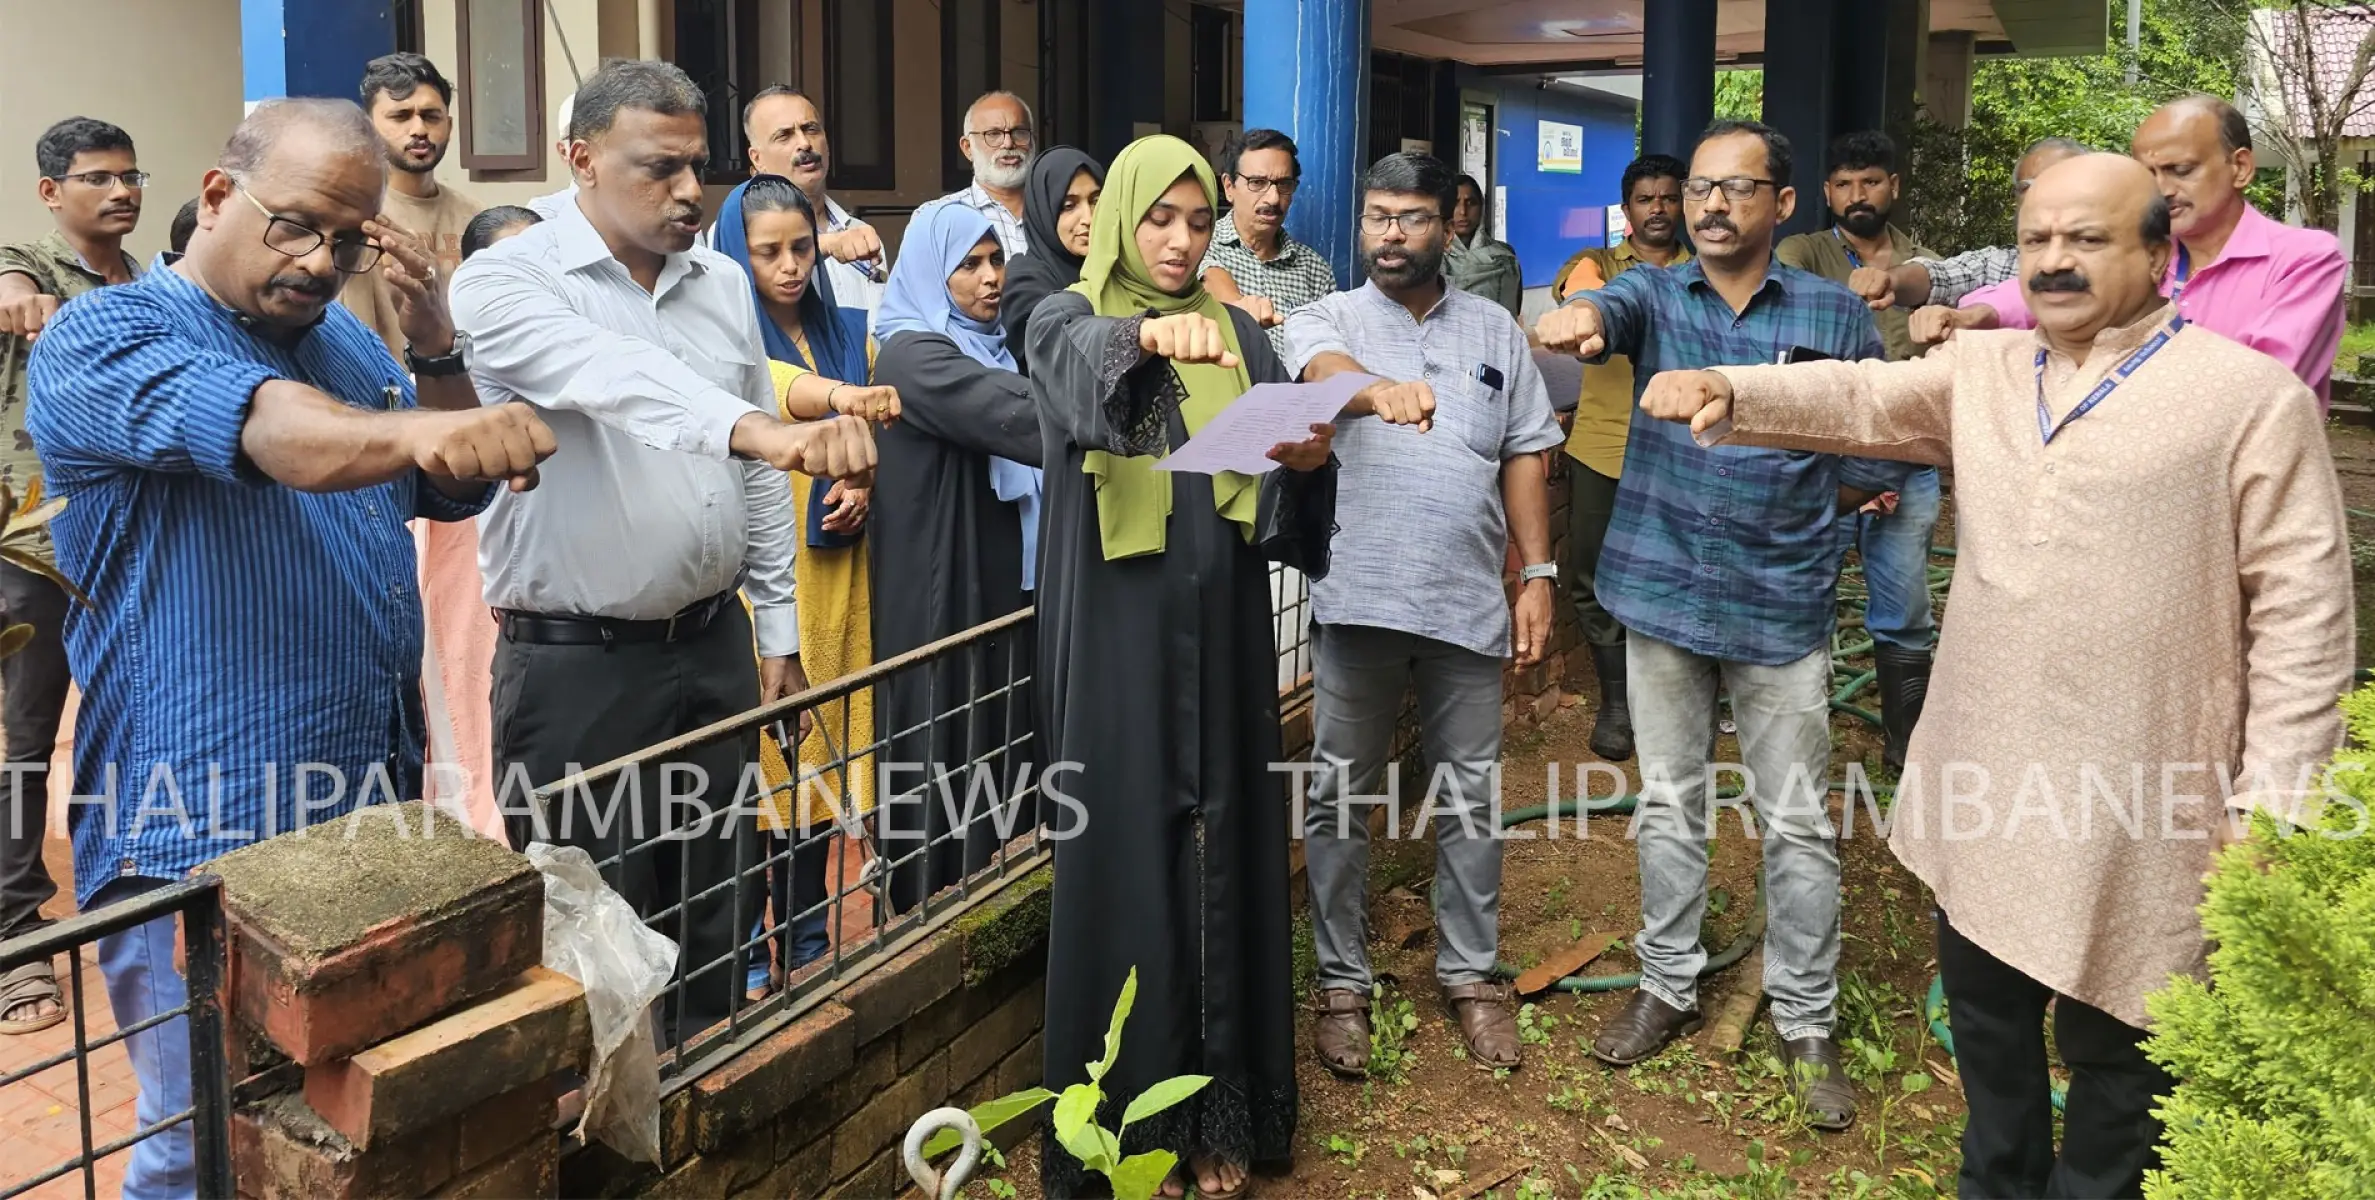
1854,259
2048,427
2185,271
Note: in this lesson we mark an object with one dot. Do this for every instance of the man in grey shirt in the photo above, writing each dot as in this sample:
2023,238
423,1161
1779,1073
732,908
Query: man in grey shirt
1426,515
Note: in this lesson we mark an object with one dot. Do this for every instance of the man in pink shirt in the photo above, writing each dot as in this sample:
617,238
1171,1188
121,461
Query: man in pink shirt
2270,286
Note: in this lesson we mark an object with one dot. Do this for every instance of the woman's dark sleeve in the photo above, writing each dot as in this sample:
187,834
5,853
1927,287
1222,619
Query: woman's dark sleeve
948,396
1095,385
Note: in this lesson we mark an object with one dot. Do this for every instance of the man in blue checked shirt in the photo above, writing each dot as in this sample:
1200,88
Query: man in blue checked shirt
241,455
1722,563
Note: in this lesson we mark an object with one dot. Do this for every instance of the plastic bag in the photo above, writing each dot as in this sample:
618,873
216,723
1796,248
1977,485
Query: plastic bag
592,935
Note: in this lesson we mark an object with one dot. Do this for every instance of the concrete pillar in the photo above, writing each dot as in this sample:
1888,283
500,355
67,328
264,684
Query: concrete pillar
1801,93
1946,84
310,47
1677,75
1307,73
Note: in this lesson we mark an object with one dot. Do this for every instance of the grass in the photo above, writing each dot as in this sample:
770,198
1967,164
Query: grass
2357,338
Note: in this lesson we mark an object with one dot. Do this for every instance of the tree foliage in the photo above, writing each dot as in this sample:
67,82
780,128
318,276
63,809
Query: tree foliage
2276,1099
2302,106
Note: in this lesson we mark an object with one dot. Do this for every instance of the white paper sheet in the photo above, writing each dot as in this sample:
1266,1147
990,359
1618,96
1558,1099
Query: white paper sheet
1239,439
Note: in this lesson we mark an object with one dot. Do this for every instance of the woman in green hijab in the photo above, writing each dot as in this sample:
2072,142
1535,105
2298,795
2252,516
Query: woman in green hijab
1159,685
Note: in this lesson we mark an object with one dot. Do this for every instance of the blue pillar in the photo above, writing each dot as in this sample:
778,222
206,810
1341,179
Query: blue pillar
1677,75
1307,73
1801,94
312,47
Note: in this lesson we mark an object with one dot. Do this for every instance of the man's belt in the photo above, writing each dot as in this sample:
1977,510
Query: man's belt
543,630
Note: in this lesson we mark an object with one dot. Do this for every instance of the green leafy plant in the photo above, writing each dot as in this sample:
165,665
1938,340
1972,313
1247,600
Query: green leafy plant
2276,1098
1136,1177
1390,1025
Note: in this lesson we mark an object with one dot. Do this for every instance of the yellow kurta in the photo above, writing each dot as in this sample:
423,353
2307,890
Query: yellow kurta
2150,611
836,639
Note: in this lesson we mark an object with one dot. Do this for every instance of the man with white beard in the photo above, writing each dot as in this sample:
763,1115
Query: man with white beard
999,144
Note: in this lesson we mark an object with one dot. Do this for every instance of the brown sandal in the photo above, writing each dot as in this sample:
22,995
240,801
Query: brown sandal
24,987
1340,1032
1488,1025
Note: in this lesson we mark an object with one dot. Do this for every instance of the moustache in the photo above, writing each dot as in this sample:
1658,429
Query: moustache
308,286
2059,281
807,158
685,214
1862,210
1715,221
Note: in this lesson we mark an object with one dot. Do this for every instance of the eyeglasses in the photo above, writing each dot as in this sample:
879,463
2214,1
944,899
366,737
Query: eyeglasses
100,181
1020,135
1255,185
1738,187
348,256
1408,222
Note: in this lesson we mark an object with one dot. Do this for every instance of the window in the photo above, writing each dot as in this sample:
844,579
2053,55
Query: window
717,43
1066,31
502,52
406,15
1217,59
860,102
968,67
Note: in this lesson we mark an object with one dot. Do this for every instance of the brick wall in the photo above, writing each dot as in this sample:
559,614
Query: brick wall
821,1107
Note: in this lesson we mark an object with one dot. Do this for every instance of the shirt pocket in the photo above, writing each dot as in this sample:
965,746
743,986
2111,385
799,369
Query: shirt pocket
1467,411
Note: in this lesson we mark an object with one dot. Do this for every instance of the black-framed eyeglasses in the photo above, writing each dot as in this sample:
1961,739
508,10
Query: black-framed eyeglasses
100,181
1019,135
1255,185
296,239
1738,187
1411,223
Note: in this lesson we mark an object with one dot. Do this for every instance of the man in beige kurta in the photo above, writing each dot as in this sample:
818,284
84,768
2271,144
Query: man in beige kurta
2151,622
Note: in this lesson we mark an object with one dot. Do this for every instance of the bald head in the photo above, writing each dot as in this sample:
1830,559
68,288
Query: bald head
2199,151
2045,153
295,129
2094,242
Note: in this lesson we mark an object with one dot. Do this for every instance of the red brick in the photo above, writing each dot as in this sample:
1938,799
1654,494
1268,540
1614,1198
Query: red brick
818,1115
529,1169
338,942
676,1128
883,1120
884,998
529,1031
979,1048
751,1088
804,1174
280,1148
497,1124
711,1175
883,1175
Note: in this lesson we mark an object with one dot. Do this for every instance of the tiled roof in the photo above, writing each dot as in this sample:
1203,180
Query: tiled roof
2335,37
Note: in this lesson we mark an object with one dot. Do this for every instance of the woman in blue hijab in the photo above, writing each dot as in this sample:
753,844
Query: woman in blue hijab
955,516
818,354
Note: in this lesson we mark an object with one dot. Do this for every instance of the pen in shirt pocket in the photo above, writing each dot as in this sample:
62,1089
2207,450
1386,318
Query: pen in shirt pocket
391,397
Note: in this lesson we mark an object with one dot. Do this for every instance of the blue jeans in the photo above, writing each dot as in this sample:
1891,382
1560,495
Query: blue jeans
1896,550
1785,747
142,981
796,902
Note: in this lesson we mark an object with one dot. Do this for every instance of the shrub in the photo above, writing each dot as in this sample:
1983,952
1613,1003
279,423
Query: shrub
2276,1057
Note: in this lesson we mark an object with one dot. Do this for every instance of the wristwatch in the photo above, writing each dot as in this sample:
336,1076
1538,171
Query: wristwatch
453,362
1529,574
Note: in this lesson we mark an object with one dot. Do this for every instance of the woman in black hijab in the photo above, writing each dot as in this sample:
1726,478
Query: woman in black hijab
1058,201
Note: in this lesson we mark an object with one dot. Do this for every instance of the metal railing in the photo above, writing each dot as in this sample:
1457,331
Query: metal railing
197,902
1290,618
911,794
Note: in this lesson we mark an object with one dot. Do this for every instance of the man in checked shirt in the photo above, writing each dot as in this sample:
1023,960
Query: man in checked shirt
1722,563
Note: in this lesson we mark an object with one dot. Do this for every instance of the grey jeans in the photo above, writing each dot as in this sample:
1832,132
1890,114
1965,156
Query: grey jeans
1359,675
1785,741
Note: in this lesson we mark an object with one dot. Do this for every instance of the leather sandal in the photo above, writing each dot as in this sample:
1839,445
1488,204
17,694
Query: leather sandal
1819,1082
1340,1034
1488,1024
24,987
1642,1029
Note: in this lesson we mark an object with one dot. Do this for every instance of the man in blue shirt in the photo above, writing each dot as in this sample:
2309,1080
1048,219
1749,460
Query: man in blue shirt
1722,563
241,456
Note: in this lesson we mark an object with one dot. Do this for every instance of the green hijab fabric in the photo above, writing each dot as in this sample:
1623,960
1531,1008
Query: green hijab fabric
1134,499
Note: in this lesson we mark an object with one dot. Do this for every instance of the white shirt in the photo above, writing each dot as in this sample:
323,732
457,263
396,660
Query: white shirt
1008,227
551,205
853,283
641,511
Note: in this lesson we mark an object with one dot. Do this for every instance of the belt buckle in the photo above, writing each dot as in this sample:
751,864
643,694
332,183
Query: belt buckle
671,635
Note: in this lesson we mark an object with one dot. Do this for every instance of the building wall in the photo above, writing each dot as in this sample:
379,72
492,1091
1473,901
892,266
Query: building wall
1551,215
592,28
170,77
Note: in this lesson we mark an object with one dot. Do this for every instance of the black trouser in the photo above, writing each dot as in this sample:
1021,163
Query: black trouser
1591,500
32,696
558,709
2108,1131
